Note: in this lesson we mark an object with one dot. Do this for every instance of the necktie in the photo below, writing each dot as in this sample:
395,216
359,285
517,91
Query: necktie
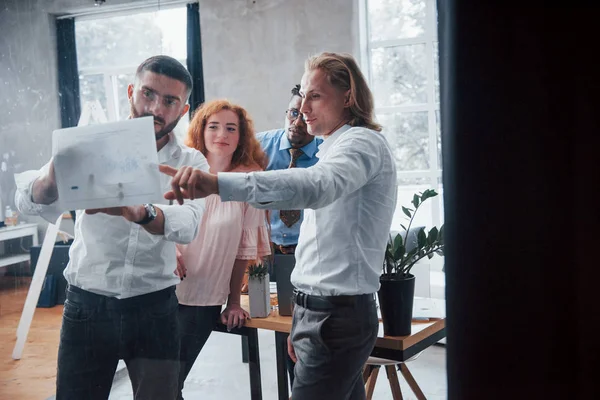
290,217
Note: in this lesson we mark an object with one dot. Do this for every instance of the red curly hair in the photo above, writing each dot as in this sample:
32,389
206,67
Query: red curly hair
249,153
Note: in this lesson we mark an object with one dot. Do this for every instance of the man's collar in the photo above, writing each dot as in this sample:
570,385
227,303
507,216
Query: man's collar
171,150
309,149
329,141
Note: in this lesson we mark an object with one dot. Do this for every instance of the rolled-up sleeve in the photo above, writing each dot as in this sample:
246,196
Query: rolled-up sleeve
181,222
23,199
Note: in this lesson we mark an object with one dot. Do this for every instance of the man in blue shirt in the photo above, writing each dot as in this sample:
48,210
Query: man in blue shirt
291,147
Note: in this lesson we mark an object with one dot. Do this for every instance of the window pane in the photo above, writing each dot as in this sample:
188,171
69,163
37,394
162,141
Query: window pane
91,88
396,19
407,134
123,80
128,40
399,75
424,214
438,129
441,202
412,181
436,71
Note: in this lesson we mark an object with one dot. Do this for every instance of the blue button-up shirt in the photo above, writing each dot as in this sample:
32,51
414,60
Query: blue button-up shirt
276,145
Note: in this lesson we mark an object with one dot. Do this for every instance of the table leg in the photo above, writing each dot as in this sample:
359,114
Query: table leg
244,349
280,353
254,365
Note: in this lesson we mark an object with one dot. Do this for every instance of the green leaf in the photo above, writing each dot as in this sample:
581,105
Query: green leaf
257,271
399,252
389,253
432,236
415,200
403,227
409,256
421,238
429,193
406,211
430,255
441,235
397,243
440,252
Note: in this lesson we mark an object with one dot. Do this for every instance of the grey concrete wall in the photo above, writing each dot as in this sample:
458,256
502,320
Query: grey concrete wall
29,103
254,51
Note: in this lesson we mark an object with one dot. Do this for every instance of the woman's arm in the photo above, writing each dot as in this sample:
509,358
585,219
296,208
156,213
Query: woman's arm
234,315
237,278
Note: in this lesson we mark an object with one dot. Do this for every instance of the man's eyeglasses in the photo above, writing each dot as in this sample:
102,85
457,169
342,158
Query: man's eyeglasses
293,114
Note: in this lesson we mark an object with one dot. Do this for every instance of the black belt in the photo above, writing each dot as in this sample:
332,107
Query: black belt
289,249
79,295
327,302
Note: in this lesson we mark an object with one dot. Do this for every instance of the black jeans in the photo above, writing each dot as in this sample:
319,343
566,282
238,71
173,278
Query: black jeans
97,331
196,323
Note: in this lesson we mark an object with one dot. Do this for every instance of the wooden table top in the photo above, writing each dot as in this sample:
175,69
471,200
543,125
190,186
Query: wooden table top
420,330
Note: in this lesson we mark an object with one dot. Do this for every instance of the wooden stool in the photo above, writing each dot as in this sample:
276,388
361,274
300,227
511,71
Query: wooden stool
372,370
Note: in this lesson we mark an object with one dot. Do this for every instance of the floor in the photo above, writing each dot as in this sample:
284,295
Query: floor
32,377
218,374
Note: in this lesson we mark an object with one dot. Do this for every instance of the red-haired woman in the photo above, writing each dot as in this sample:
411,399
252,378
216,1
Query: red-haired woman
231,234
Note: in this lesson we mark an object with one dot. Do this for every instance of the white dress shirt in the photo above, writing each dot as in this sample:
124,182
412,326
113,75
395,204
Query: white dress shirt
349,197
114,257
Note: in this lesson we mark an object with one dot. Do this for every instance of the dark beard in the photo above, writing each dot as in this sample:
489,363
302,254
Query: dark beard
166,128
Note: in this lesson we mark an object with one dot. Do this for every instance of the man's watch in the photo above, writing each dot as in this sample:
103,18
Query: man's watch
150,215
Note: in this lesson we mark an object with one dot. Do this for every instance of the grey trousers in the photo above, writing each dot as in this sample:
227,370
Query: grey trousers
332,348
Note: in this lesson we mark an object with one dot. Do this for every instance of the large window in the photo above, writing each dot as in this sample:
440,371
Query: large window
109,49
401,56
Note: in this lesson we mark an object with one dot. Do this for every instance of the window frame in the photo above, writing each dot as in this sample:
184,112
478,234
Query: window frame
110,73
429,39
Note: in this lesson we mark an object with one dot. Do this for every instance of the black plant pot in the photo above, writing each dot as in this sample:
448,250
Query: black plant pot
396,298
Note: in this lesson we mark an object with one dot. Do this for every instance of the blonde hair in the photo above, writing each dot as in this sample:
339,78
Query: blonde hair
343,72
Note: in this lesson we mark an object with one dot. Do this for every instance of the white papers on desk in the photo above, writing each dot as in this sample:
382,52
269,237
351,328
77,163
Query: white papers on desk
424,308
107,165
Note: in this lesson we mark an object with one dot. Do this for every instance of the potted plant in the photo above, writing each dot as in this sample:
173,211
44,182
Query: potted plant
258,290
397,290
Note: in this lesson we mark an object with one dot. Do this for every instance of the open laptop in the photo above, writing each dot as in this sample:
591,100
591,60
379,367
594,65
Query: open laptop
284,264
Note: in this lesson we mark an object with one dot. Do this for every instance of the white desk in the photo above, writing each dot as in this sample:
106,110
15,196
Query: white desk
14,232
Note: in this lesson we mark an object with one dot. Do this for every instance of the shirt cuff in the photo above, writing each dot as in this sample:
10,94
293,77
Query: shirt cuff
181,222
235,186
24,201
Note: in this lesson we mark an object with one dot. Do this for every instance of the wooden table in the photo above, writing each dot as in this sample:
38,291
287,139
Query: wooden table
398,348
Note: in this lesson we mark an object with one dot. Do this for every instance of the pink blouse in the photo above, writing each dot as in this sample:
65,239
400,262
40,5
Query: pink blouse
228,231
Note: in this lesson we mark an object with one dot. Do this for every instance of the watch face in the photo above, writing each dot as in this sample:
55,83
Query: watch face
151,211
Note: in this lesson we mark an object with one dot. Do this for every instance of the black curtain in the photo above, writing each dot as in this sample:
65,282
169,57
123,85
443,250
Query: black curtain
194,56
68,75
520,141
